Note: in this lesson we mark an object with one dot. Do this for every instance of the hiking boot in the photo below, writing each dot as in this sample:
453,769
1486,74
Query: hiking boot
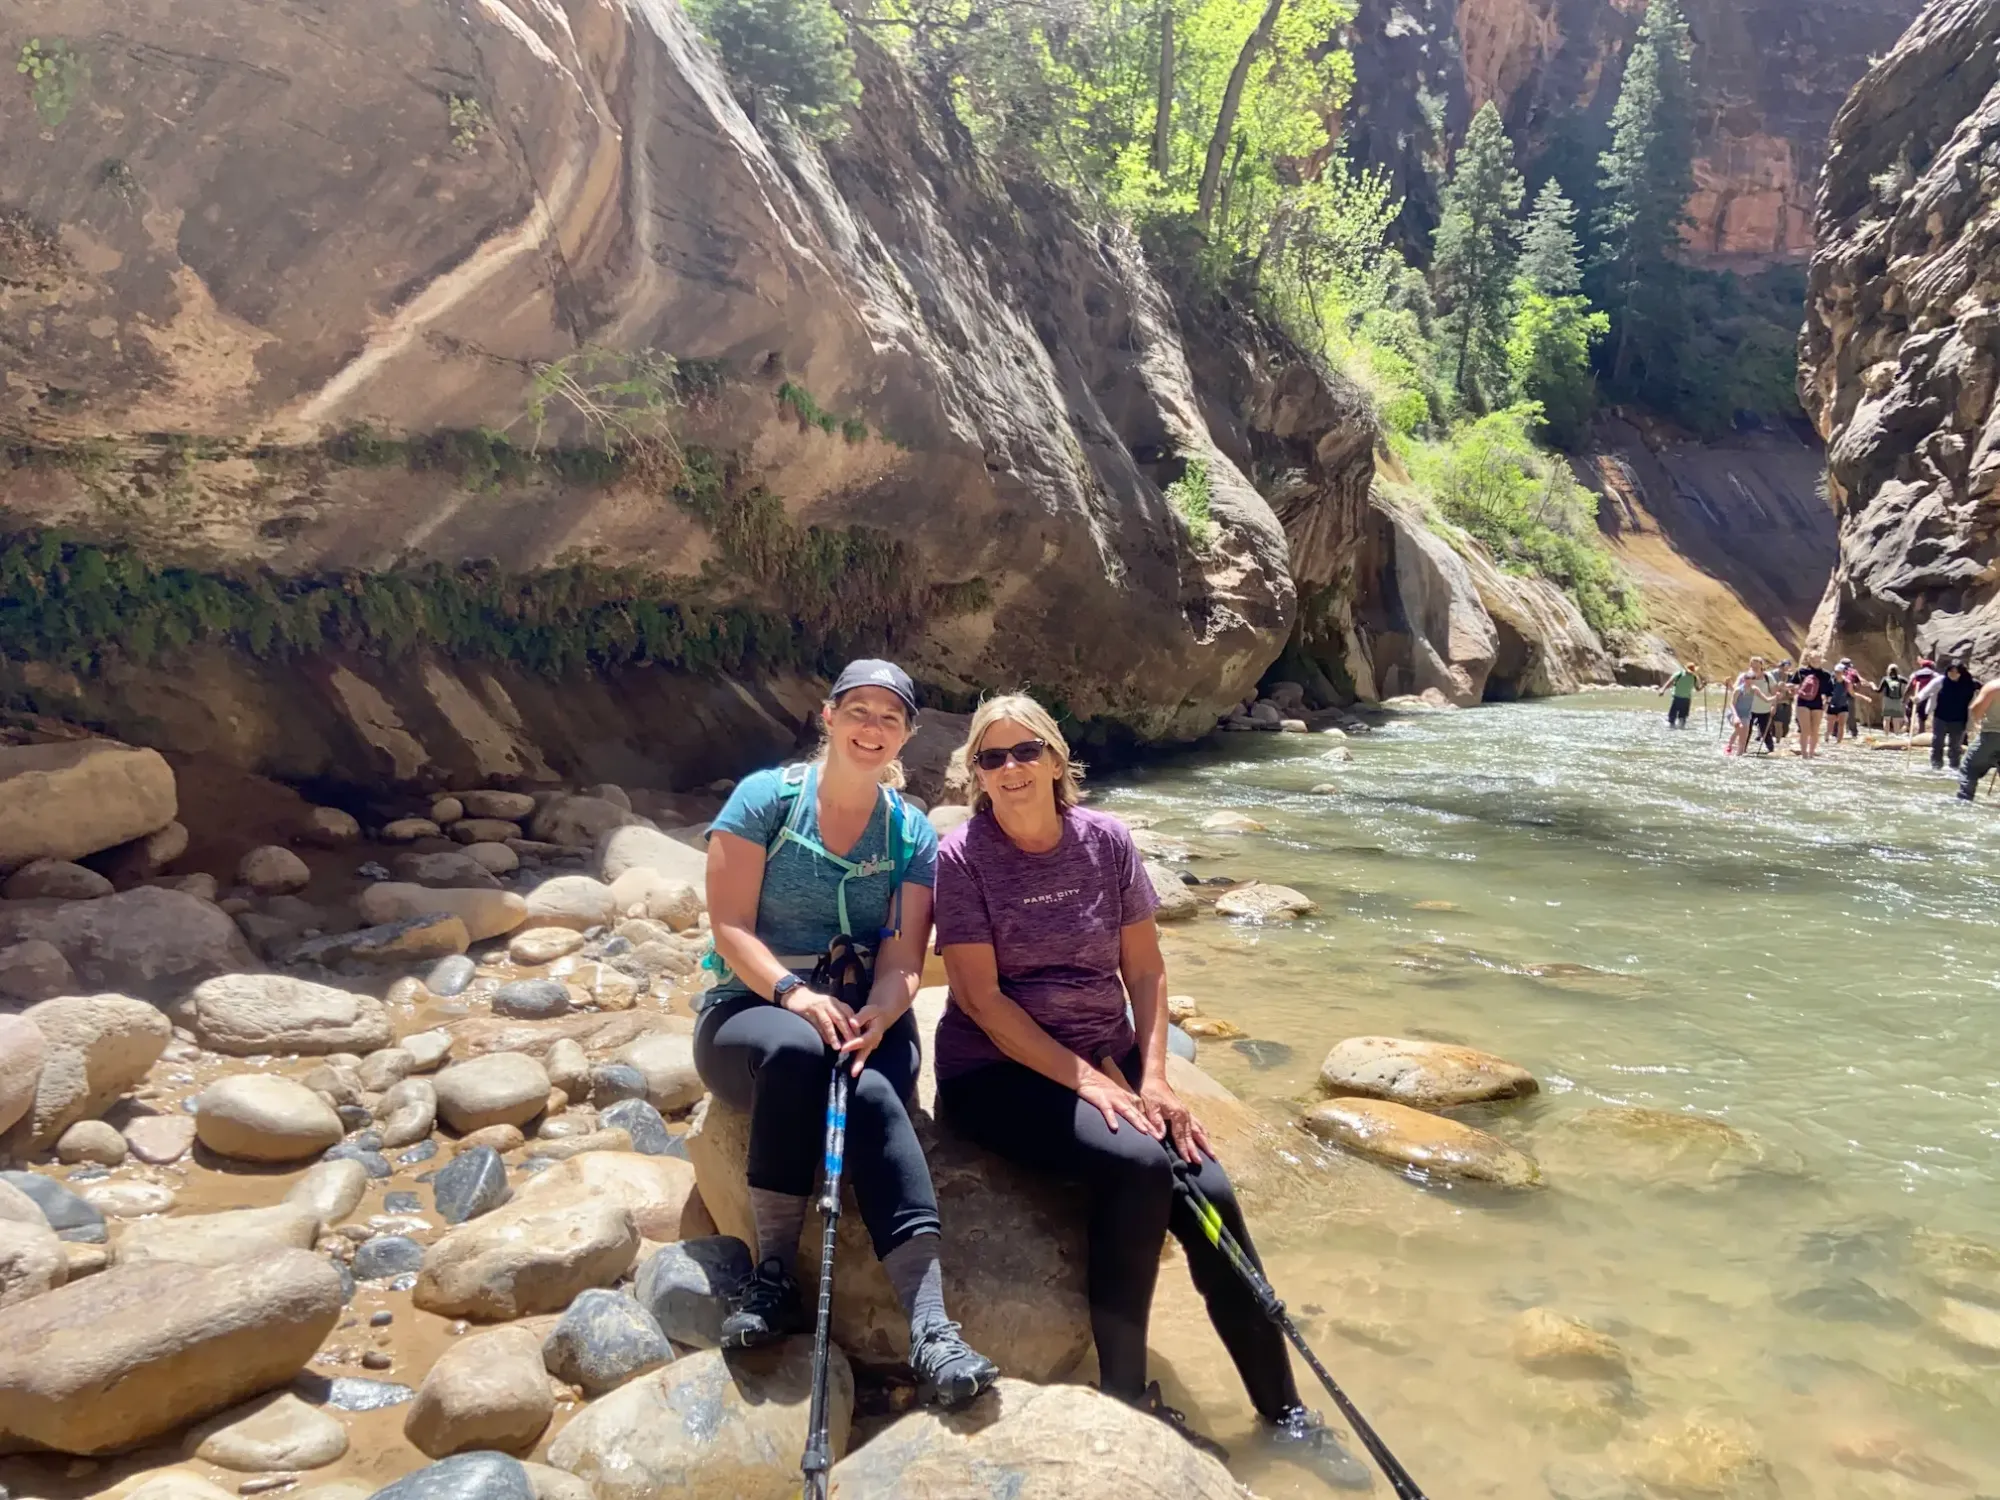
1300,1436
950,1372
1153,1404
766,1308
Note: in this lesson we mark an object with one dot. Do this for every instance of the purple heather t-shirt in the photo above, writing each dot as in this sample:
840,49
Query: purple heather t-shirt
1053,920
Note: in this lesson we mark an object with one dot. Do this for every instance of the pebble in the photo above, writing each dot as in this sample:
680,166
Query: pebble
387,1255
160,1139
450,976
613,1082
643,1123
374,1163
381,1319
377,1359
427,1049
264,1484
71,1217
603,1340
470,1184
91,1141
531,999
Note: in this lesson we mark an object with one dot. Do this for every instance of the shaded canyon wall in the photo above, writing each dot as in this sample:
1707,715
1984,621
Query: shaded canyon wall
1901,353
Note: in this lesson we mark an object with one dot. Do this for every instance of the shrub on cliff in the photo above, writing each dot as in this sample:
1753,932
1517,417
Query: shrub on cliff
793,53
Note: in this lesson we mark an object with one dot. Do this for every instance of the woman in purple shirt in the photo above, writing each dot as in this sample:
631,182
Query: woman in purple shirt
1045,921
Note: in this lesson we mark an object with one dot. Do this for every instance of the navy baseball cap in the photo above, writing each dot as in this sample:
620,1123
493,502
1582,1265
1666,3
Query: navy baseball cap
881,674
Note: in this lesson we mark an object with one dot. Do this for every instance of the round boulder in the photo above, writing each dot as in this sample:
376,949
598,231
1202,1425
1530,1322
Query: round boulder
255,1117
535,946
1259,902
1427,1075
501,1088
1177,902
488,1391
746,1446
574,901
250,1015
54,880
528,1257
273,870
510,807
1397,1135
274,1433
91,1141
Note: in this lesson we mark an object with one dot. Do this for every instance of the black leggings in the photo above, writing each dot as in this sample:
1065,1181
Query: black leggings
761,1058
1015,1112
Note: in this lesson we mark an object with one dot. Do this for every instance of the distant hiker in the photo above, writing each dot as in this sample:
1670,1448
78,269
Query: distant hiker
1895,691
1985,753
1813,683
1683,685
1920,681
1750,702
1840,699
1782,693
1950,699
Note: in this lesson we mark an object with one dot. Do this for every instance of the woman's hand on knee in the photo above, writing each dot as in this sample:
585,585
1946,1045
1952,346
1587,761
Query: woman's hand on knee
1115,1102
1173,1120
834,1022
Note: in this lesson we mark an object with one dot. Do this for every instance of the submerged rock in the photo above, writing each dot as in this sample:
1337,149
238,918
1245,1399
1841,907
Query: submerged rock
1428,1075
1400,1136
1550,1344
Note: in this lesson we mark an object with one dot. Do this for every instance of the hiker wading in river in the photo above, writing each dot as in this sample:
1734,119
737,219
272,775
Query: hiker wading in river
1045,920
795,858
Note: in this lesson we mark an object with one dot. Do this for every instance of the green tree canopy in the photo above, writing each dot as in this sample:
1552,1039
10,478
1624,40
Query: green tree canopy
1472,269
1551,259
793,53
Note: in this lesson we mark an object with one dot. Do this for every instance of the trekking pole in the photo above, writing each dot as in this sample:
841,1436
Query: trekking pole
818,1455
1269,1303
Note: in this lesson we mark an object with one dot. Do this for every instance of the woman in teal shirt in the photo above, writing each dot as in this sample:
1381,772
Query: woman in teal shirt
796,858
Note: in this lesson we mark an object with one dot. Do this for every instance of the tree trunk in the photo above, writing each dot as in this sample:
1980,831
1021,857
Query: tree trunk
1163,113
1232,99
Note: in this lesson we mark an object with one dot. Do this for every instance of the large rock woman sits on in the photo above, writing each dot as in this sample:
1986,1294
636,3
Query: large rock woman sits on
1045,920
796,858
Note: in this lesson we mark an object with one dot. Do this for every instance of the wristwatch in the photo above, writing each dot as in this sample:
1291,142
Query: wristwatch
785,985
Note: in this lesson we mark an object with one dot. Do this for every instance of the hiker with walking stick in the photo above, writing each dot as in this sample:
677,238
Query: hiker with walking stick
817,955
1045,920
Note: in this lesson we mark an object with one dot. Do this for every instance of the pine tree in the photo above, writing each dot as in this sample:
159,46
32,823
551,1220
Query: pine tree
1554,327
1551,259
1647,178
1472,265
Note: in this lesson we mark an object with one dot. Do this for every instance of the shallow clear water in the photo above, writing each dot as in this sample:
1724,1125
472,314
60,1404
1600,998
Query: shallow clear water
1807,952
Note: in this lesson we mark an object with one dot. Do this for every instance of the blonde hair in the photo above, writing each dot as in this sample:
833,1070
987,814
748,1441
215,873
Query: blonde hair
892,775
1025,711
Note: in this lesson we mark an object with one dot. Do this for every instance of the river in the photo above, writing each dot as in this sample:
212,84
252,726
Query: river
1808,953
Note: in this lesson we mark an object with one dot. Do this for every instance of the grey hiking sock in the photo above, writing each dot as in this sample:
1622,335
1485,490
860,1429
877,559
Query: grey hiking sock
779,1217
919,1282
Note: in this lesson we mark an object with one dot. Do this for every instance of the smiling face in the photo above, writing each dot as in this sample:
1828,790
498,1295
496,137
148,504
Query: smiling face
1014,785
867,728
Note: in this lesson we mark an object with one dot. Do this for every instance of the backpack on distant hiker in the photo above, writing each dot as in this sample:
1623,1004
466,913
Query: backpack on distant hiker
1809,690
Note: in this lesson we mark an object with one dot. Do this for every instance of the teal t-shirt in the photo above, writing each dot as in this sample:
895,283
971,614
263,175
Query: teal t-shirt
798,910
1682,683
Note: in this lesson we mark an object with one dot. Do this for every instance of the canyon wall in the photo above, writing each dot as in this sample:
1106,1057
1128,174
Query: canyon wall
372,334
1771,74
1901,353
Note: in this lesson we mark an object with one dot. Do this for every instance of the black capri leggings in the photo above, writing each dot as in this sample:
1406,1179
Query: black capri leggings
761,1058
1015,1112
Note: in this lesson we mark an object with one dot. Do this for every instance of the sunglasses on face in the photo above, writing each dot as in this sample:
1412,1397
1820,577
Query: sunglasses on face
1026,753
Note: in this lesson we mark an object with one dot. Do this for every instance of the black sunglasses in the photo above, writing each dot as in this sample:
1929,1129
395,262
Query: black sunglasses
1026,753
